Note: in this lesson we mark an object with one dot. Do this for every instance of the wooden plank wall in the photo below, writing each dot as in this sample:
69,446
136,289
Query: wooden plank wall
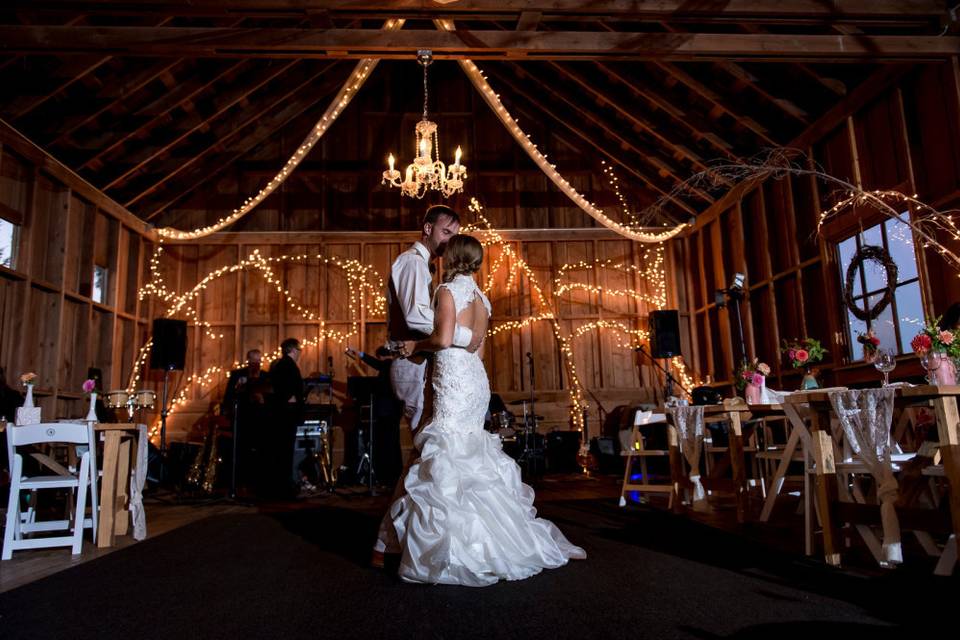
49,324
906,139
249,312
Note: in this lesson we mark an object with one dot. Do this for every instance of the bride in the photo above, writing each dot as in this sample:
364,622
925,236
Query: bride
466,517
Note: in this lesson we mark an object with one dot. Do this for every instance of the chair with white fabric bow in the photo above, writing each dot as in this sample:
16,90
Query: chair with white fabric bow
22,523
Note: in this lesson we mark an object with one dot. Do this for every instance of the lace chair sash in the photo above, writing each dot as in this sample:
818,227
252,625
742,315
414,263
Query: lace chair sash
866,416
689,424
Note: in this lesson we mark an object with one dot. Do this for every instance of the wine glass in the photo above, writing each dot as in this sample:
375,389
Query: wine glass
885,362
930,363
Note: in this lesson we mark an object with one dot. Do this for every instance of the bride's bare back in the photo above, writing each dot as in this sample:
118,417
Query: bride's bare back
475,317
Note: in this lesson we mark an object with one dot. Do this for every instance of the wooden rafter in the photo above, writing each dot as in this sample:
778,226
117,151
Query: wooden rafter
589,139
267,129
657,163
700,128
631,115
161,109
716,101
120,94
484,44
240,95
262,110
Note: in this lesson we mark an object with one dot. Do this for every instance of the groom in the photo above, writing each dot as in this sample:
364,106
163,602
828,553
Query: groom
410,317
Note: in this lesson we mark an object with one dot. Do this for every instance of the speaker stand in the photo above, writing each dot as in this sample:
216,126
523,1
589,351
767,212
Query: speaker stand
163,427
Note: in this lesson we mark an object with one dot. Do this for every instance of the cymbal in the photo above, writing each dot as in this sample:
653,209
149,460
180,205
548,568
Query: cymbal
520,401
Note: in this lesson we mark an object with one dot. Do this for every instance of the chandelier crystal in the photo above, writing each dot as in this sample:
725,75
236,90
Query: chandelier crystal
427,171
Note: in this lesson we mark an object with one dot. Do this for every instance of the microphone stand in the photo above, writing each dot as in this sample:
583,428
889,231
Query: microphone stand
669,380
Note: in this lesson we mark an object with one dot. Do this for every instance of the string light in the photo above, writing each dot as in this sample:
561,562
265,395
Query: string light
347,92
493,99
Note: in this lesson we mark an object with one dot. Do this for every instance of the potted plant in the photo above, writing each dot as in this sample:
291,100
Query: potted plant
751,378
937,349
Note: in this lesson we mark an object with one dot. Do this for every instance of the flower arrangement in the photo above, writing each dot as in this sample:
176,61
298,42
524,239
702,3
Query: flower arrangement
932,338
28,379
870,343
752,372
89,385
803,353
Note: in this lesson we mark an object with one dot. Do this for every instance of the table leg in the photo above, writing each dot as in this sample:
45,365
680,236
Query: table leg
122,515
826,485
776,483
737,463
678,478
108,489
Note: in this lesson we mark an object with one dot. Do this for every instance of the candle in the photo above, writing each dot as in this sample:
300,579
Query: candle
409,173
424,149
456,161
390,160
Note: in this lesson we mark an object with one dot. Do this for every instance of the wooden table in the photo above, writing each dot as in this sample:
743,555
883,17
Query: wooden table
115,483
943,399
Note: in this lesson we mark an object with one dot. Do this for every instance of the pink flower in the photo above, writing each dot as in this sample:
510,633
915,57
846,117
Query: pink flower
747,375
802,355
89,385
921,343
757,380
946,337
763,368
792,354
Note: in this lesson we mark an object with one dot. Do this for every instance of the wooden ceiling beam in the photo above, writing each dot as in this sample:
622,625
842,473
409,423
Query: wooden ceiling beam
249,143
589,139
283,104
72,78
716,101
120,94
227,104
161,108
479,44
771,10
699,128
632,116
658,164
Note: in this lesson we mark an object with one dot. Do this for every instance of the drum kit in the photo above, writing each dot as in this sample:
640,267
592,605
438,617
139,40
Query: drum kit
132,402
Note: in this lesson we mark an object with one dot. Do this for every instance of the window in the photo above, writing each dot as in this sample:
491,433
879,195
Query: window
901,320
99,283
9,237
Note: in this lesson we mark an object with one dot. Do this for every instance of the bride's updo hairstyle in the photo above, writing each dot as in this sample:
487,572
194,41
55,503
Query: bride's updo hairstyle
464,254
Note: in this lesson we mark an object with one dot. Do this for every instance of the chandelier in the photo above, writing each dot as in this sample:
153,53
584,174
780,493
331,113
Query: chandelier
427,171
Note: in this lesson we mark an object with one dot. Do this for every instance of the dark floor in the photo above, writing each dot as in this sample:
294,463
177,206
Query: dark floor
300,570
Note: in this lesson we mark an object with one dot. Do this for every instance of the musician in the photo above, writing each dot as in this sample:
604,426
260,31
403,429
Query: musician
287,402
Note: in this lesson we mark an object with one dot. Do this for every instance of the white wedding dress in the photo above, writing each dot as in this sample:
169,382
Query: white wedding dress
466,517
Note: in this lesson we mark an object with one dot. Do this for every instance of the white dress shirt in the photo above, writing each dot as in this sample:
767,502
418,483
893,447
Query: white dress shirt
412,283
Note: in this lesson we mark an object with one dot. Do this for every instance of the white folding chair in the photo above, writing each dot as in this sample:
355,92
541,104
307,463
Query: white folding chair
21,523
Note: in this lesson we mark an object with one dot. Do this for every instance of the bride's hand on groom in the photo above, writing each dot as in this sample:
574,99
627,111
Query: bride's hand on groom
408,348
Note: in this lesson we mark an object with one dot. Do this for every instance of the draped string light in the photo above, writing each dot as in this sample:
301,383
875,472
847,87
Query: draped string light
925,221
493,100
350,88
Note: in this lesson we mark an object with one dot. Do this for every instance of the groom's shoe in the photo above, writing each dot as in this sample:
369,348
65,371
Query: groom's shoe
377,559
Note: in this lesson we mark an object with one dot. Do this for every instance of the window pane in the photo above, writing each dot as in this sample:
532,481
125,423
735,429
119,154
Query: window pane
8,244
846,249
875,273
99,283
883,326
856,326
910,308
900,245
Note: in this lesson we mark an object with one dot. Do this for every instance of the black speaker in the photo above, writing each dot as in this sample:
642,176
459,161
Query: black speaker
169,348
664,333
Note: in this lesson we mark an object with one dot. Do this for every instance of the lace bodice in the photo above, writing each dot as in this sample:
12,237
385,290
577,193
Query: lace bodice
464,289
